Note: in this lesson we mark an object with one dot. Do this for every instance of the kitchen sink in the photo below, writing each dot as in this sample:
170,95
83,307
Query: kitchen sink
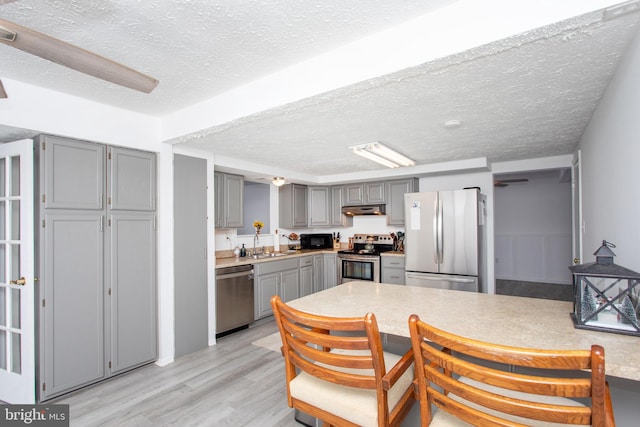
271,255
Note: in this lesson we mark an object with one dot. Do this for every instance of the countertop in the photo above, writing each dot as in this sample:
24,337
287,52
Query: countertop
233,261
502,319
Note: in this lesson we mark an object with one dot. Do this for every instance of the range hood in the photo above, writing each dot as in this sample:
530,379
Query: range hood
364,210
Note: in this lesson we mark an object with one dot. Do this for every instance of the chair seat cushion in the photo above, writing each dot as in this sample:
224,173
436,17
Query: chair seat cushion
357,405
442,418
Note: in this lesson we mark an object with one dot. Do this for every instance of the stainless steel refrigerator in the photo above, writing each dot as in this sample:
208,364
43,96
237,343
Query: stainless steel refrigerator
444,239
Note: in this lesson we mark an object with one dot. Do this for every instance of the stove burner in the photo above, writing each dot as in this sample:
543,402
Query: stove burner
369,244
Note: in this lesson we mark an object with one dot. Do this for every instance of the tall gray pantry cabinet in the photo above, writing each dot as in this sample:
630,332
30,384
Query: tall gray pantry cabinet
96,262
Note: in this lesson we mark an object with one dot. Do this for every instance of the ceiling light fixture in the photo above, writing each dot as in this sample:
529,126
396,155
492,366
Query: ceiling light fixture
384,155
278,181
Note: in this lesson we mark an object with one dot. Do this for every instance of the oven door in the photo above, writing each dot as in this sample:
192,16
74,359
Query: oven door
357,267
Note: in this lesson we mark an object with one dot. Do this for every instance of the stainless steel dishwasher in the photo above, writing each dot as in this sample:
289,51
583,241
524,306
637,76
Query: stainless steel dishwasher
234,298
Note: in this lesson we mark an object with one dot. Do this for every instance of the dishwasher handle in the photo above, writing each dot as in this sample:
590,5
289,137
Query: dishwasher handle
248,273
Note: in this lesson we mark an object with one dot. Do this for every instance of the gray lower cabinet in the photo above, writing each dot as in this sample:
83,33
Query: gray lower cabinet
392,270
275,278
318,273
96,263
306,275
330,270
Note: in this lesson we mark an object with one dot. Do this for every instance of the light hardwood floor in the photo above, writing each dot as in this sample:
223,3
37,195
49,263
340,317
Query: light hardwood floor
232,383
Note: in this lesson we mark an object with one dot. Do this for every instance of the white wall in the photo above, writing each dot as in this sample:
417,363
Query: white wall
610,167
610,196
533,229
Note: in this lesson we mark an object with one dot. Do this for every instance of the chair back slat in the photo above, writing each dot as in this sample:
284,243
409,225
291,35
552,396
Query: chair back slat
543,385
477,381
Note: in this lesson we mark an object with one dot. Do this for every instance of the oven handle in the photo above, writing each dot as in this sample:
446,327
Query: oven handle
370,258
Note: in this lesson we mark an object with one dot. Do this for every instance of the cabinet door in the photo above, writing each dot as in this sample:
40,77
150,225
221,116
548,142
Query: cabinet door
318,273
330,271
218,195
72,283
132,179
394,276
337,201
395,199
306,280
374,192
354,194
73,173
319,213
233,201
289,285
132,277
266,287
299,205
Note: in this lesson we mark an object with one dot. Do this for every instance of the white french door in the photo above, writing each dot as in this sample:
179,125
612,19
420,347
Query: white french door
17,328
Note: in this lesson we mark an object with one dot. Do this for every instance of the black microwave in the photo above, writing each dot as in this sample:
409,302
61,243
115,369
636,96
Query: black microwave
316,241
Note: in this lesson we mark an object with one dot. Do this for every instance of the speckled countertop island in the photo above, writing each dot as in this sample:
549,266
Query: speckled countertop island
508,320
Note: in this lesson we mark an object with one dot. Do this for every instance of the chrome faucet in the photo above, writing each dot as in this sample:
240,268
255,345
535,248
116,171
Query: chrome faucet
256,238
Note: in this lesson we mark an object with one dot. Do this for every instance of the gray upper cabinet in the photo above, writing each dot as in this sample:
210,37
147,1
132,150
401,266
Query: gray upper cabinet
325,207
395,199
319,206
338,219
365,193
132,183
374,192
293,206
354,194
229,199
73,173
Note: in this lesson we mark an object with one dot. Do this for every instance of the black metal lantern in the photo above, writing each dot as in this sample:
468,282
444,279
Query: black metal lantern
607,296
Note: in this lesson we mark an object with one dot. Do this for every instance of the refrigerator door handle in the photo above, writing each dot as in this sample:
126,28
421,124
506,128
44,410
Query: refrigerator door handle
440,279
440,234
436,257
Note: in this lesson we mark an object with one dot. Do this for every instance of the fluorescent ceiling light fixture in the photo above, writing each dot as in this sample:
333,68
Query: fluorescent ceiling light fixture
278,181
384,155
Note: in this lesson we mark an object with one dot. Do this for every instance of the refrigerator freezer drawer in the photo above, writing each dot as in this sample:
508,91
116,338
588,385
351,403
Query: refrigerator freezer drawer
442,281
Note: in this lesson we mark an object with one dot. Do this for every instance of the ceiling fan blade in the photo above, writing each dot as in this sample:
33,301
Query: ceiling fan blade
3,93
74,57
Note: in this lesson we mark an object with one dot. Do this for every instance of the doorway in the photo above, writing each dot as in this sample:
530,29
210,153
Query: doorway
533,234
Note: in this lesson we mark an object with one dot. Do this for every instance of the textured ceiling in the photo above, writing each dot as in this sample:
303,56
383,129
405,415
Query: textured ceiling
529,95
196,48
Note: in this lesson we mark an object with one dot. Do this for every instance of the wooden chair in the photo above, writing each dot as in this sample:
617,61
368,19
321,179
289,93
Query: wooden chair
337,371
453,374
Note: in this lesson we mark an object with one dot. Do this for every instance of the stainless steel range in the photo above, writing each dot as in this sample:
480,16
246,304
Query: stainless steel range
363,261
